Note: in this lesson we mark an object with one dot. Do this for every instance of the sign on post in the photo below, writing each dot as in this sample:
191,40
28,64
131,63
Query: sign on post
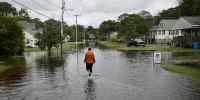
157,57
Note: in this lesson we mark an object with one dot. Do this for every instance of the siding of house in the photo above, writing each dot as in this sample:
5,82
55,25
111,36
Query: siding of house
29,39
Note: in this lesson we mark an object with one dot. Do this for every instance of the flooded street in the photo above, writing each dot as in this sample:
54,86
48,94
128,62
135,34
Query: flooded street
117,75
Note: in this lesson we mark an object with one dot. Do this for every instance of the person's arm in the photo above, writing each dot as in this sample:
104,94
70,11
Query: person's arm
94,58
85,58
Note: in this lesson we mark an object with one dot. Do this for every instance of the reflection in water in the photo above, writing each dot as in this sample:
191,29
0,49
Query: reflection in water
118,75
16,64
90,90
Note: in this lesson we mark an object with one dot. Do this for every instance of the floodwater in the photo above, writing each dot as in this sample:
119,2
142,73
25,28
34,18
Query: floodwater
117,75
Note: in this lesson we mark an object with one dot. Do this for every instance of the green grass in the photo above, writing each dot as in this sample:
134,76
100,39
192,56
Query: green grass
66,46
70,45
112,44
148,47
32,49
184,70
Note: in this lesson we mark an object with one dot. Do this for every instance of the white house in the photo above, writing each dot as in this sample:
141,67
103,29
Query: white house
163,33
188,26
29,40
29,31
113,36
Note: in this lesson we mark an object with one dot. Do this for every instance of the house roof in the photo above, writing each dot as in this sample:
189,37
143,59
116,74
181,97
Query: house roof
28,25
168,24
156,27
187,22
164,25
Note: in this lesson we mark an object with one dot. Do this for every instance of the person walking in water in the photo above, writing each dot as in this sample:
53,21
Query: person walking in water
89,60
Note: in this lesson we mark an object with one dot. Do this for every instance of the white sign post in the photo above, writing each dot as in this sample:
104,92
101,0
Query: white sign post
157,57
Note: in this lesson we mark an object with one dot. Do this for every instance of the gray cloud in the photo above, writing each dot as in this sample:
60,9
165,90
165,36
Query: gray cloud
92,12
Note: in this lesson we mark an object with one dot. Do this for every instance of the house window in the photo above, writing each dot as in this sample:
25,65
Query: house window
159,32
173,32
163,32
27,41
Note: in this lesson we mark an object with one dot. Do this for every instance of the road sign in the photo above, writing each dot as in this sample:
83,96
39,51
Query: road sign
157,57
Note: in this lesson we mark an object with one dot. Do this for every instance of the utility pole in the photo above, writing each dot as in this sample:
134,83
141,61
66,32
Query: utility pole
61,33
62,21
76,30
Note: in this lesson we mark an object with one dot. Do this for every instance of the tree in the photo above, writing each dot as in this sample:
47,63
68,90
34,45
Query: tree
23,14
107,27
171,13
50,36
190,8
80,32
123,16
7,9
186,8
38,23
147,16
133,26
11,37
90,30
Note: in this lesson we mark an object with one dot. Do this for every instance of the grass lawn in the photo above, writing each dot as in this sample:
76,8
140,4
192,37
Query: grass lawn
148,47
112,44
66,46
184,70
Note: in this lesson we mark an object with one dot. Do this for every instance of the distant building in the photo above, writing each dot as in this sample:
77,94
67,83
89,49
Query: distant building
113,36
92,38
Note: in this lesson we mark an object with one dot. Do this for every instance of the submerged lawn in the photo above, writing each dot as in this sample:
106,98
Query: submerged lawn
184,70
3,68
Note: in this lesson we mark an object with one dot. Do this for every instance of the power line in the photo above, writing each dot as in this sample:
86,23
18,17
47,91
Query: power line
52,4
39,5
31,9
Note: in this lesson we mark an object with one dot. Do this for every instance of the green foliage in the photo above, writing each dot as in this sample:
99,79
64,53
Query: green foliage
184,70
51,36
133,25
190,7
147,16
90,30
6,9
23,14
107,27
186,8
11,37
38,23
80,32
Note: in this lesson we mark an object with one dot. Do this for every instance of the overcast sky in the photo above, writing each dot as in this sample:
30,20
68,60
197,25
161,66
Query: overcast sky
92,12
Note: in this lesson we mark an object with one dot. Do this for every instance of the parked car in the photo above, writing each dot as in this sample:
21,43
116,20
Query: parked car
136,42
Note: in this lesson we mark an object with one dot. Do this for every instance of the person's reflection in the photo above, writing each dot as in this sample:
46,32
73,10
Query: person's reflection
90,90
